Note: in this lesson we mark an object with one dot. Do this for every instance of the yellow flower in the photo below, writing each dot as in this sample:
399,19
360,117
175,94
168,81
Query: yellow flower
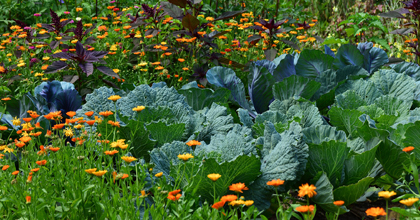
237,203
249,202
409,202
16,121
119,143
185,157
90,171
114,98
139,108
128,159
2,147
116,70
39,74
386,194
100,172
68,132
214,176
74,41
308,190
159,174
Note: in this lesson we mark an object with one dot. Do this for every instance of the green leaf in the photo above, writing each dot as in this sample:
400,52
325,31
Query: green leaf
166,158
295,87
411,213
307,112
397,85
242,169
164,133
327,157
322,133
345,119
392,158
349,194
349,100
351,72
365,89
312,63
412,138
328,82
324,196
260,87
135,132
199,98
358,166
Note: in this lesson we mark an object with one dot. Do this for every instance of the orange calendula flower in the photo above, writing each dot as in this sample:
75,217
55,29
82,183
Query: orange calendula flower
408,149
89,114
54,149
339,202
6,99
409,202
106,113
34,115
27,119
28,199
15,172
193,143
41,162
305,208
159,174
71,114
35,170
20,144
218,205
275,183
25,139
174,195
3,128
238,187
181,60
90,122
214,176
100,173
375,211
111,153
139,108
307,189
185,157
5,167
229,198
90,171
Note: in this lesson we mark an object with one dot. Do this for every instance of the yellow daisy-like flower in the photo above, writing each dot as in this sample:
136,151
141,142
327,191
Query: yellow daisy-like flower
185,157
237,203
249,202
409,202
90,171
139,108
159,174
100,172
68,132
114,98
386,194
128,159
16,121
214,176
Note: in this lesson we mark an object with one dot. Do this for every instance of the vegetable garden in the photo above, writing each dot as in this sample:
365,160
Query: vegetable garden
198,109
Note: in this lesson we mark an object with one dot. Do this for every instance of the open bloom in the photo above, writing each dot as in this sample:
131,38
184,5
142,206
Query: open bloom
275,183
111,153
238,187
114,98
408,149
214,176
409,202
174,195
386,194
41,162
90,171
308,190
339,202
139,108
159,174
193,143
100,172
128,159
218,205
305,208
5,167
185,157
375,211
228,198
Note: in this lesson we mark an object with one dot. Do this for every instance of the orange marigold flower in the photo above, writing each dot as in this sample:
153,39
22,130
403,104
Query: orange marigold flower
193,143
111,153
305,208
71,114
41,162
106,113
218,205
25,139
90,122
35,170
100,173
5,167
34,115
229,198
275,183
181,60
20,144
307,189
90,171
89,114
28,199
3,128
238,187
339,203
408,149
15,172
6,99
174,195
375,211
54,149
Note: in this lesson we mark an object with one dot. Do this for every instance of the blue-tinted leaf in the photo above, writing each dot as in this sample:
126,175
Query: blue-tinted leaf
226,78
374,58
50,90
260,87
68,100
285,68
328,51
348,55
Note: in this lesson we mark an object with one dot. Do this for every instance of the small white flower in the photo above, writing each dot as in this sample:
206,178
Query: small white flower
78,19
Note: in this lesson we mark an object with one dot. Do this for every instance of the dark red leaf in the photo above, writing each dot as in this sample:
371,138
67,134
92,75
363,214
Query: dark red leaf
180,3
56,66
190,22
108,71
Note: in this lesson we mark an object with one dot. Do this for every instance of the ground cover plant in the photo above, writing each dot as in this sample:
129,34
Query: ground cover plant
186,110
